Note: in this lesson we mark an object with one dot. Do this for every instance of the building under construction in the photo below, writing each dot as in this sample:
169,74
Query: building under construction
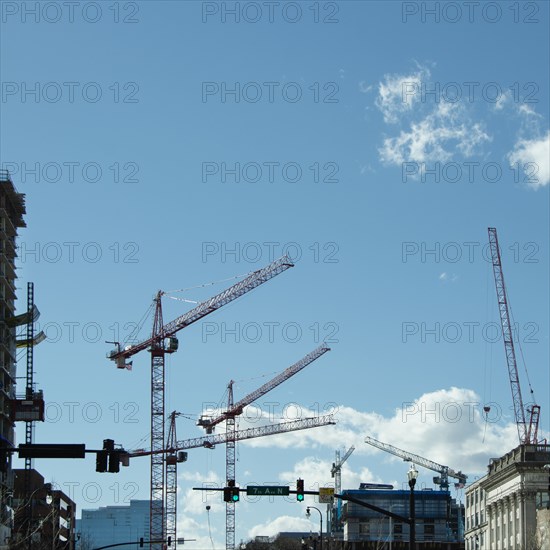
12,211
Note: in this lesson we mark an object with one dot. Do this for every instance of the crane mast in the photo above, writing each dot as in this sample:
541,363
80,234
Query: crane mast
527,432
230,471
172,459
162,341
444,471
336,472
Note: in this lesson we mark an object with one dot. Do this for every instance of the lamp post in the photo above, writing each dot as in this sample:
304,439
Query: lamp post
412,474
320,520
390,536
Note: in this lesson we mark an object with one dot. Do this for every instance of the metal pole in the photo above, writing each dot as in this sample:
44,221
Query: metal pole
412,538
320,522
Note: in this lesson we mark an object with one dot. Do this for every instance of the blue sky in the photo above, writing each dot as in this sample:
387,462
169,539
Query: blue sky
361,172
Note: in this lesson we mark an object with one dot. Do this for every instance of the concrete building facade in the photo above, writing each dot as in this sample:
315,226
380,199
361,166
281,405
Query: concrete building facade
12,211
502,508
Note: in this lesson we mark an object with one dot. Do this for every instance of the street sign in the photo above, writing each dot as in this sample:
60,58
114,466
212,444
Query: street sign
267,490
326,495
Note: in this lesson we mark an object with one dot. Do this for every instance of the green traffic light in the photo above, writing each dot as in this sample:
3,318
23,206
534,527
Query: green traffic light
235,498
299,498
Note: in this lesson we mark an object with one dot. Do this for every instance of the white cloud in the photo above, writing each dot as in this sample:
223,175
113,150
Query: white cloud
398,93
448,278
364,87
533,156
445,425
282,523
312,468
501,101
435,138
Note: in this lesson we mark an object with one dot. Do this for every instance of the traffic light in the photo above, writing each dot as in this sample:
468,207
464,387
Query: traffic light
231,494
141,542
101,461
114,462
169,541
300,490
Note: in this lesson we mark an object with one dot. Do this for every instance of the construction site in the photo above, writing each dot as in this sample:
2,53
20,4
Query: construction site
507,508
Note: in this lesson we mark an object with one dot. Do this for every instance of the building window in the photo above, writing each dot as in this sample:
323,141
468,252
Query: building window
429,531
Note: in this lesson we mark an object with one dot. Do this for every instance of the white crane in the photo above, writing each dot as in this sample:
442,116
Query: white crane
336,473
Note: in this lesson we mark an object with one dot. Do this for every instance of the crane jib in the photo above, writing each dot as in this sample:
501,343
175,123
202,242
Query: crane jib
230,294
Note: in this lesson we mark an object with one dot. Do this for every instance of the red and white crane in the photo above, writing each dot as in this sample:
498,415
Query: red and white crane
175,453
161,342
235,409
527,431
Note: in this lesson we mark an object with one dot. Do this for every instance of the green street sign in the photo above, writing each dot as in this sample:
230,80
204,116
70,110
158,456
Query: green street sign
267,490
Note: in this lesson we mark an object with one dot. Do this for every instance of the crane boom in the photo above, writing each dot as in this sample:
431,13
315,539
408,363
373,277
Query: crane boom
527,432
445,471
238,407
209,441
255,279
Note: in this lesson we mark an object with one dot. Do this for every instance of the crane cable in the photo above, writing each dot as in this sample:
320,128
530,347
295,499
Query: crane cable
488,357
133,335
531,391
204,285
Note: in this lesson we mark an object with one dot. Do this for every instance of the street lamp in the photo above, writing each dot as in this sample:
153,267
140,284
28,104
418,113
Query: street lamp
390,536
320,520
412,474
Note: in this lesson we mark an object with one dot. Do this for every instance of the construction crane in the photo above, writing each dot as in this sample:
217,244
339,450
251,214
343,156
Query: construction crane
163,341
444,471
527,432
175,453
336,473
210,441
234,410
238,407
